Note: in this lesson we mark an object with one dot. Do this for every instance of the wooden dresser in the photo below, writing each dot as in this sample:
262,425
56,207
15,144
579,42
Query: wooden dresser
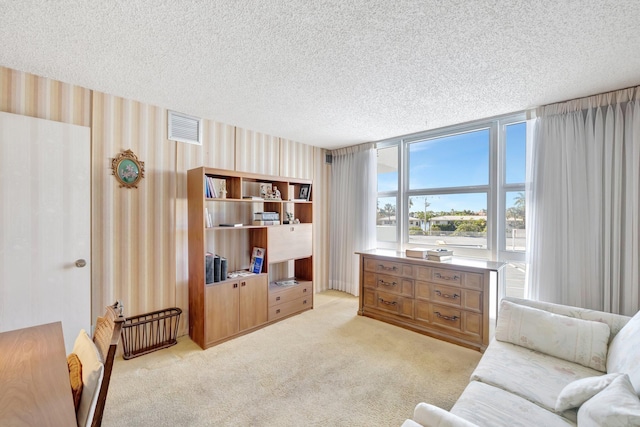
454,300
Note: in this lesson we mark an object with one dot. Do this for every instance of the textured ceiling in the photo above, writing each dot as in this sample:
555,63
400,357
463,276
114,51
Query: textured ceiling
330,73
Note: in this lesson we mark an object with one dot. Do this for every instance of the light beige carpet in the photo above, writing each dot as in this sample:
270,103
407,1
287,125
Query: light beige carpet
325,367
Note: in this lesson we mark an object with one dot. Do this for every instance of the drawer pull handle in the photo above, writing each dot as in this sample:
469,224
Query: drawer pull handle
277,298
454,296
384,267
387,283
440,276
450,318
388,302
304,302
304,290
278,311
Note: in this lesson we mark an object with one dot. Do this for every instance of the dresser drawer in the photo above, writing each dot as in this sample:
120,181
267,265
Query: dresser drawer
395,304
291,241
279,296
394,284
289,307
447,295
447,317
388,267
448,277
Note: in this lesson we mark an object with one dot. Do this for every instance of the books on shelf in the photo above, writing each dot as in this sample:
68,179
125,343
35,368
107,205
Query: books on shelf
232,224
416,252
210,188
257,259
439,258
440,254
208,268
266,216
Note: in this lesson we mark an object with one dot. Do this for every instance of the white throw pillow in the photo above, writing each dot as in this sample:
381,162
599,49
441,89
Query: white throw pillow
576,340
624,352
92,373
579,391
615,406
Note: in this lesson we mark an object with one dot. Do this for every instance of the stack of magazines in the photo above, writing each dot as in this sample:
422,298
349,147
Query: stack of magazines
439,254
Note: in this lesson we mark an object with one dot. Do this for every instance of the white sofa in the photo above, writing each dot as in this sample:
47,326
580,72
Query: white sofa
550,365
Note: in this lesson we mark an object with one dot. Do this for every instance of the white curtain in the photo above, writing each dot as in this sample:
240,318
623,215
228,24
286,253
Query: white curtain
584,203
352,216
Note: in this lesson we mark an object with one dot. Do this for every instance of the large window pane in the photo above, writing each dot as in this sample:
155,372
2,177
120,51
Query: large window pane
452,161
388,169
449,219
516,143
515,232
386,221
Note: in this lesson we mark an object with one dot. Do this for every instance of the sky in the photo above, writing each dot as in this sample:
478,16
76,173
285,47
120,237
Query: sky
456,161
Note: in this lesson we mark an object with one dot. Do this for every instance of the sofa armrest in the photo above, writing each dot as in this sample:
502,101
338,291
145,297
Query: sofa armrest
432,416
615,321
410,423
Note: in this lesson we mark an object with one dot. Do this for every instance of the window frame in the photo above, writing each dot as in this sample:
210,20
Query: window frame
495,190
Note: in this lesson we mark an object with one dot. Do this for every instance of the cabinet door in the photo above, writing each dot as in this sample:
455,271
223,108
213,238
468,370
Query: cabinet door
289,241
221,311
254,296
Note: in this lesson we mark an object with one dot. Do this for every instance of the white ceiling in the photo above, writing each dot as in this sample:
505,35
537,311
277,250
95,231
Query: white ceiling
330,73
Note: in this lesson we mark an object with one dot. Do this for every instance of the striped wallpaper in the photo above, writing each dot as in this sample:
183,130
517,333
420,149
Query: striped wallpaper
139,236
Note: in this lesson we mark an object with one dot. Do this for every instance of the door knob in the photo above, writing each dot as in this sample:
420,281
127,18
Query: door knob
81,263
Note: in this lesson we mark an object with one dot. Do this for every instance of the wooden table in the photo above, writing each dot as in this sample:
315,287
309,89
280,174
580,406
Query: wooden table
34,378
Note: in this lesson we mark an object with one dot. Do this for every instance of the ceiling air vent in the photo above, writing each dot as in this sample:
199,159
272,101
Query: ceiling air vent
185,128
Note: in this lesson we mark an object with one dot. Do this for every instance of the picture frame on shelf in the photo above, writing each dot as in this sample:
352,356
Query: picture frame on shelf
265,190
305,192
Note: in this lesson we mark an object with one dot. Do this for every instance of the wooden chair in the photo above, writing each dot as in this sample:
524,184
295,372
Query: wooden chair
106,337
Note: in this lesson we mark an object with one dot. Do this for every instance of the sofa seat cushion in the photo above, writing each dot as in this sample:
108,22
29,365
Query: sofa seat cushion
486,405
624,352
531,375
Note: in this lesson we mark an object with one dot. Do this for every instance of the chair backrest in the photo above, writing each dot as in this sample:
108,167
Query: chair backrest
106,337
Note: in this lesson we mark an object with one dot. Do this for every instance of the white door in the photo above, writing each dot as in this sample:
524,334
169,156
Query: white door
45,224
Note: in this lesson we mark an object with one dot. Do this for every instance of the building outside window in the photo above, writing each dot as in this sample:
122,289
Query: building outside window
461,188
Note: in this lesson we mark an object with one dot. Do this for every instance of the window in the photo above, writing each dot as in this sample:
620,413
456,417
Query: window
461,187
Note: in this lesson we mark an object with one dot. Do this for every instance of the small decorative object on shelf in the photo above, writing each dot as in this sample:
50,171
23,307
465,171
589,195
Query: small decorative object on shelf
223,189
276,193
234,224
127,169
289,219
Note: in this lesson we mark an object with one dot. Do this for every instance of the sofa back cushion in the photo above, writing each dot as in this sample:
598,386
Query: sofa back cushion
624,352
576,340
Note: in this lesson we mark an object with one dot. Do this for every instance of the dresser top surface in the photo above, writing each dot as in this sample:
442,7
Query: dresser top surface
454,262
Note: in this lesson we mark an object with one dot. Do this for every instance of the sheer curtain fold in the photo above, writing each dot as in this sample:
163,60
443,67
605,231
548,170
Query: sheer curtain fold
352,213
584,203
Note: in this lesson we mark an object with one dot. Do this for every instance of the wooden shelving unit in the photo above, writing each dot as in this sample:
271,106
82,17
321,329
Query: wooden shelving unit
223,310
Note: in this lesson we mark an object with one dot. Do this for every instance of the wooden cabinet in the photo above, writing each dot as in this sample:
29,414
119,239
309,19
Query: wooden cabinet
230,307
452,301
